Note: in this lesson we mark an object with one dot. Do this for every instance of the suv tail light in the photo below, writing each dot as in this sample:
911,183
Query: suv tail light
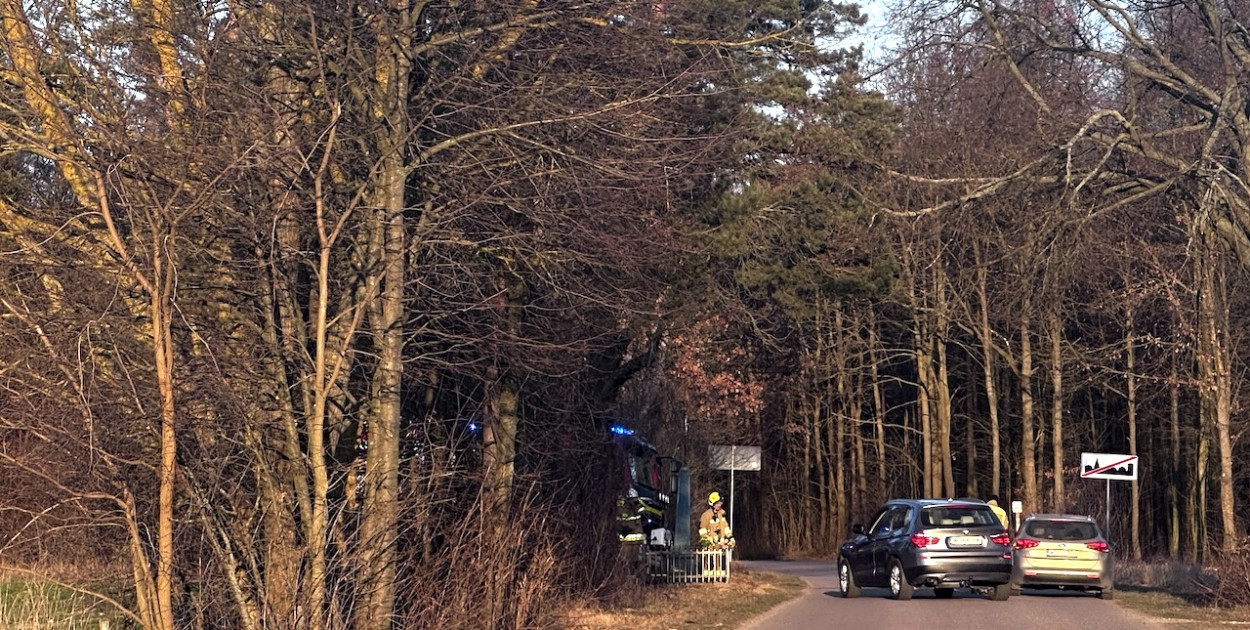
1025,543
922,541
1003,539
1098,545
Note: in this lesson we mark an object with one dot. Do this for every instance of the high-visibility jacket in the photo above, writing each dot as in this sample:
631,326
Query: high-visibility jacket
1001,514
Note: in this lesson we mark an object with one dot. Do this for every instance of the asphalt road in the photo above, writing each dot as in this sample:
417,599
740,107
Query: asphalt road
822,606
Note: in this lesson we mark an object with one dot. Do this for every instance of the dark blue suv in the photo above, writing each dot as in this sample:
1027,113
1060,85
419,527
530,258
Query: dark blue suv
938,543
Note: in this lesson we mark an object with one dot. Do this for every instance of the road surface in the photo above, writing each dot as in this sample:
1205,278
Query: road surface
822,606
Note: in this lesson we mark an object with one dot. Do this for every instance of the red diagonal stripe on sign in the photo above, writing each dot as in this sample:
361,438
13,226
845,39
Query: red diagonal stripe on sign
1108,467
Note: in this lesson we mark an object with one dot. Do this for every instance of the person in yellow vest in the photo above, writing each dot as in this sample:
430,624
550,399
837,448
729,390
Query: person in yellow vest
714,532
998,511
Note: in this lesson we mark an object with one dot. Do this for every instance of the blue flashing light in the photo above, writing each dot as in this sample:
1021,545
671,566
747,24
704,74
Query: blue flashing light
620,430
473,427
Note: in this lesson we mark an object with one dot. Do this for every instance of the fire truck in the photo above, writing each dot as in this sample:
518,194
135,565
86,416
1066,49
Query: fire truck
654,504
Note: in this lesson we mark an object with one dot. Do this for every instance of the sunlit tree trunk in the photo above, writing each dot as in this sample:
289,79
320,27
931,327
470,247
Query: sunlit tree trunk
1131,386
837,499
1056,408
1028,449
923,411
1215,382
941,380
878,410
988,357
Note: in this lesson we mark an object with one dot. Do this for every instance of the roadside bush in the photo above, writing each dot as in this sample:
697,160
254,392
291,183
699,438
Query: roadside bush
1232,584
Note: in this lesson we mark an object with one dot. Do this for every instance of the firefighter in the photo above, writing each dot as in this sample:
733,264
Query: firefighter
714,532
998,511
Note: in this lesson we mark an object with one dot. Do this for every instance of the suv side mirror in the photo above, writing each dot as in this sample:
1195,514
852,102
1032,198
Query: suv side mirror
857,529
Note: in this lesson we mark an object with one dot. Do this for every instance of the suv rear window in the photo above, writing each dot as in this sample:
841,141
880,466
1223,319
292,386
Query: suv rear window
1058,530
958,516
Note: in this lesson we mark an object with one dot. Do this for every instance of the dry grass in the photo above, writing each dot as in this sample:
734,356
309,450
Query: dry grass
59,596
31,605
1175,611
1178,595
691,606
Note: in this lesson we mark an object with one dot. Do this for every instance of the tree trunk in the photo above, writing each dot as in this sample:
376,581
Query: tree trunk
835,417
991,392
849,401
1174,499
808,417
921,340
878,409
1131,385
1229,535
1197,498
1028,463
823,471
1216,386
1056,409
971,487
829,425
499,457
925,417
163,353
499,451
379,528
837,498
941,381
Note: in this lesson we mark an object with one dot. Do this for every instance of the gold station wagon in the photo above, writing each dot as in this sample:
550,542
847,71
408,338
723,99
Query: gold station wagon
1065,551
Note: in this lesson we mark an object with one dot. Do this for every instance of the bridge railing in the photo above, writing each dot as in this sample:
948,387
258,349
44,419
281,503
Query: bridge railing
675,566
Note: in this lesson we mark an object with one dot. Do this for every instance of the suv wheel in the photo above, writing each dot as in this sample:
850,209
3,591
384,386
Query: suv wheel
1001,592
846,579
899,588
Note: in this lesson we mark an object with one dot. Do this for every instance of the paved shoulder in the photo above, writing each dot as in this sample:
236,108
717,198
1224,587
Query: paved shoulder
821,605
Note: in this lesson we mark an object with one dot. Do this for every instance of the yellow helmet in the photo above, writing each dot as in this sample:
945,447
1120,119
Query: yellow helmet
713,498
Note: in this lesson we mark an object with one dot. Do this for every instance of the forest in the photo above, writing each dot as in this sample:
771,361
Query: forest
316,314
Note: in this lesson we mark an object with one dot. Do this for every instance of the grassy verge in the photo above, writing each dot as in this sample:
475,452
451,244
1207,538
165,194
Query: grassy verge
33,605
693,606
1180,595
1180,612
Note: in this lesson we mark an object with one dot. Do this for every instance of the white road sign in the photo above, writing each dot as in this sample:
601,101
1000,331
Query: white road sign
729,457
1108,466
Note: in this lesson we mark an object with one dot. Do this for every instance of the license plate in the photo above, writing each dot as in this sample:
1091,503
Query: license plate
1056,553
966,541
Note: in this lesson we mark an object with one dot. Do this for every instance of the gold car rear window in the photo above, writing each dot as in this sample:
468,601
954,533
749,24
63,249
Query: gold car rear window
1052,530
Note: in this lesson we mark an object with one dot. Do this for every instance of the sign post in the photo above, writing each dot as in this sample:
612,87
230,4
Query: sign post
731,458
1110,467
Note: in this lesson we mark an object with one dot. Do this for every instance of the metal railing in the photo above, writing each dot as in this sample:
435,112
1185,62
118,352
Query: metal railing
688,565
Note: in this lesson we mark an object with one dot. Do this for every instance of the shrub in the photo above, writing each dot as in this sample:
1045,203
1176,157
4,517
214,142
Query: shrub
1232,584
